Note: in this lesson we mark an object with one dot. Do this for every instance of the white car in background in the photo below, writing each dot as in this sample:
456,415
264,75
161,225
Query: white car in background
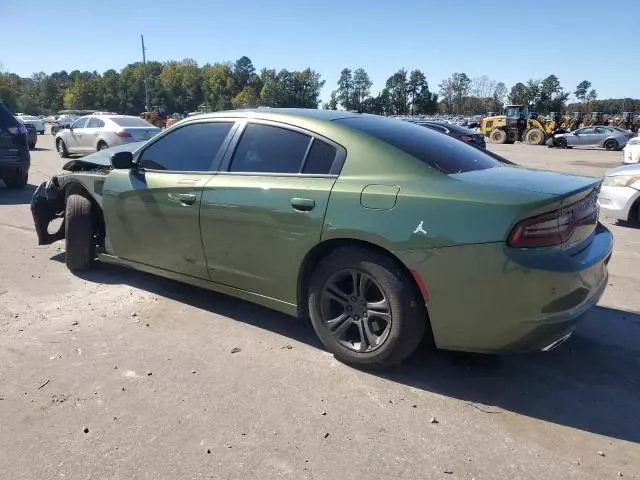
96,132
37,123
620,193
631,151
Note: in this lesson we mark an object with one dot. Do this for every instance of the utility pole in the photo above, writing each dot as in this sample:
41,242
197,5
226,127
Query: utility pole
144,73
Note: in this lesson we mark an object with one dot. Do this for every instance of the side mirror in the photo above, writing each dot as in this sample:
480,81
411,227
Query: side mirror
122,160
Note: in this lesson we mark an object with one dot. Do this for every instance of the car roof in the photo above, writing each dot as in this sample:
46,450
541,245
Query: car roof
265,113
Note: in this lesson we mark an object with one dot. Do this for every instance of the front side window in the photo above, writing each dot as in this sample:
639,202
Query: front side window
586,131
80,123
191,148
269,149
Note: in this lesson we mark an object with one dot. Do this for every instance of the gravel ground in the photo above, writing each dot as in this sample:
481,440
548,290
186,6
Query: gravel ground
120,375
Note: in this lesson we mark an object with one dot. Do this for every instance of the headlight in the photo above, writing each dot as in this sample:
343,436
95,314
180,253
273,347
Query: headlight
620,180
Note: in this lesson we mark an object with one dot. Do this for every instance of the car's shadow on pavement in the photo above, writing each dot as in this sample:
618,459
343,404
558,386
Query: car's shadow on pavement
16,196
592,382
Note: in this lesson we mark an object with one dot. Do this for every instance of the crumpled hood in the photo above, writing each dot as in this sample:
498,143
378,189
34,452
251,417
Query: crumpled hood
100,160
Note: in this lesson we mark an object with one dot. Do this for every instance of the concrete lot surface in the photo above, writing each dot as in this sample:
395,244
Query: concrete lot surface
115,374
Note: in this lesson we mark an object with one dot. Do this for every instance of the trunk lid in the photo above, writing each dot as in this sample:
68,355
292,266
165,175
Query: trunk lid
573,198
539,181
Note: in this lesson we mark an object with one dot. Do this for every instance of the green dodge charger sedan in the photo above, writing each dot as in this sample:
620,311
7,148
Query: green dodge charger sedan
377,230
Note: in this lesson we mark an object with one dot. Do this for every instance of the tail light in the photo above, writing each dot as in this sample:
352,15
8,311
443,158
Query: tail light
466,138
556,227
19,129
124,135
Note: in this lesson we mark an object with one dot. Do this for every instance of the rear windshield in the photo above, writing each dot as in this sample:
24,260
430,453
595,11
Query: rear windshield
130,122
6,118
439,151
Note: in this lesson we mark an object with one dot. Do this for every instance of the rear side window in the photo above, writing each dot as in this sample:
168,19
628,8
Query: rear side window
93,123
442,152
269,149
191,148
320,158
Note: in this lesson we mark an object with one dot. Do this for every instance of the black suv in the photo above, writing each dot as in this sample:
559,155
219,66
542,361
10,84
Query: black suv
15,158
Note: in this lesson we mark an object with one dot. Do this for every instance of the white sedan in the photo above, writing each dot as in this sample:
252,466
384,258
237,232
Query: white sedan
97,132
620,193
631,151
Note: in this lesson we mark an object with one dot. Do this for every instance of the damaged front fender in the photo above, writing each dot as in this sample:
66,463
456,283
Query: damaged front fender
47,204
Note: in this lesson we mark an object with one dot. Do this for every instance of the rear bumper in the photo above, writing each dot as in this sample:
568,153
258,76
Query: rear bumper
15,165
616,202
490,298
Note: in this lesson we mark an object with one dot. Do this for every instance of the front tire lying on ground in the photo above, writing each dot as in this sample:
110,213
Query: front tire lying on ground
365,308
78,233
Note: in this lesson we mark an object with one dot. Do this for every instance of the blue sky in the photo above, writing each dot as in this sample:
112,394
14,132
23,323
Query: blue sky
577,40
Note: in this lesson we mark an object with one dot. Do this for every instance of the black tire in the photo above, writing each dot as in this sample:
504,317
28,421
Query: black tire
498,136
407,312
560,142
79,248
534,136
61,147
102,146
16,179
611,144
32,146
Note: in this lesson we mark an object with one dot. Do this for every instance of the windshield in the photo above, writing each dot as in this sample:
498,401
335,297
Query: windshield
130,122
515,112
442,152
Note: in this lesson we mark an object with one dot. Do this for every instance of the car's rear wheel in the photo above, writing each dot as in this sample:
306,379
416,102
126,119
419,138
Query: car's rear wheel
498,136
560,142
79,248
16,179
102,146
62,148
365,308
611,144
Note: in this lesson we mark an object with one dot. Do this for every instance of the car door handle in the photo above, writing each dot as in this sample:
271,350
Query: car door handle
302,204
183,198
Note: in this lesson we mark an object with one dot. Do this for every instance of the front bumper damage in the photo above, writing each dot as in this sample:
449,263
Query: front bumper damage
47,204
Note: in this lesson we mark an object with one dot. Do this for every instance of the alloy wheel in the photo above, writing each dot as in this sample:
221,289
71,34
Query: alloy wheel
356,310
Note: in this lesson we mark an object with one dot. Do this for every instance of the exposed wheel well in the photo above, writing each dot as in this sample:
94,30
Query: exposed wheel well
99,229
320,251
633,217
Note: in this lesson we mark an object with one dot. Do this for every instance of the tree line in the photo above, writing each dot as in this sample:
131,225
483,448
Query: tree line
184,85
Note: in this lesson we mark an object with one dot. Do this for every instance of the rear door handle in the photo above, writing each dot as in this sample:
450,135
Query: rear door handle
302,204
183,198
